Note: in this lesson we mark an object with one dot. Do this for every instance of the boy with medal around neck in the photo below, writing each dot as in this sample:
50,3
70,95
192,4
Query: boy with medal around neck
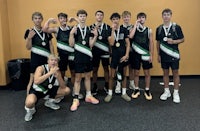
40,45
47,81
100,50
119,42
142,44
65,51
82,39
169,35
126,17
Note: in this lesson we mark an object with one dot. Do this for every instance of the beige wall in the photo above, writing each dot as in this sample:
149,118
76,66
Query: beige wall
17,18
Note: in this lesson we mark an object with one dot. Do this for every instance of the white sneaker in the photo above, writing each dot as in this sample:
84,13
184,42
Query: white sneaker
118,88
165,95
58,100
29,114
50,103
176,98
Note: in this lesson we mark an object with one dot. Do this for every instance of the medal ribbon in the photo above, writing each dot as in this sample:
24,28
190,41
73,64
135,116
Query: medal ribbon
117,36
41,37
167,30
83,32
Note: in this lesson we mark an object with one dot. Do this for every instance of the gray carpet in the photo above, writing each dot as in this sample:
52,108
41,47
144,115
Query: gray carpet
137,115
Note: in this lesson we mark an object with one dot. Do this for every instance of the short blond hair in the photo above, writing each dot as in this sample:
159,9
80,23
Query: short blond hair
125,13
53,56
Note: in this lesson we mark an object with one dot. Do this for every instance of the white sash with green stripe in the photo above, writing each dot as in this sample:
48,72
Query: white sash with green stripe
64,46
170,51
101,46
83,49
39,88
40,51
144,53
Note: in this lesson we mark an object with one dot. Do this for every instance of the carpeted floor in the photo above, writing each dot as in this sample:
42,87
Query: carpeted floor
119,115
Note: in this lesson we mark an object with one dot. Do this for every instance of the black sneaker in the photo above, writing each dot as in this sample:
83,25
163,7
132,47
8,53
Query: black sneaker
147,95
94,90
135,93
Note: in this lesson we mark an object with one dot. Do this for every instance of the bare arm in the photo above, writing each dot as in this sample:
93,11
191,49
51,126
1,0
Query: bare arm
132,32
171,41
51,47
48,29
60,79
71,36
93,39
29,39
111,39
158,50
151,47
39,77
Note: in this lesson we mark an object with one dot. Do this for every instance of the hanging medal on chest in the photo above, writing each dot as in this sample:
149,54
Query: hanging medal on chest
43,43
42,37
100,32
83,34
166,30
117,38
50,86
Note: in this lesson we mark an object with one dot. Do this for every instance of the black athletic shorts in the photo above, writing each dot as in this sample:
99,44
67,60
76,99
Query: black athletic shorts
63,61
174,65
51,92
83,67
37,60
99,55
137,62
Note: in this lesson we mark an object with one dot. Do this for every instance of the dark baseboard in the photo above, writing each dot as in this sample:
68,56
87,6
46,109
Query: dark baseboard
8,86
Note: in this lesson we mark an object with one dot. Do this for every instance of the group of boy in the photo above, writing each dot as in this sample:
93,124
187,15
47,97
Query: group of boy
83,48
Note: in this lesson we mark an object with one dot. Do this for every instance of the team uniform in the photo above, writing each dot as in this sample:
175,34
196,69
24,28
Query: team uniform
100,50
169,53
83,54
40,49
48,87
140,46
118,51
64,50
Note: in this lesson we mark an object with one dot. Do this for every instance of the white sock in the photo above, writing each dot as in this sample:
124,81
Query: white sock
29,109
88,93
167,89
175,90
118,83
110,92
136,88
147,88
132,82
123,91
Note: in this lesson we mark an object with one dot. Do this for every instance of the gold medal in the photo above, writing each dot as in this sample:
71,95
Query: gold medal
117,44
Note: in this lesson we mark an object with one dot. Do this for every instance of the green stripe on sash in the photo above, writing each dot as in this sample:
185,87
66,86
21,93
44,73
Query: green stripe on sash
40,51
101,46
64,46
170,51
83,49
